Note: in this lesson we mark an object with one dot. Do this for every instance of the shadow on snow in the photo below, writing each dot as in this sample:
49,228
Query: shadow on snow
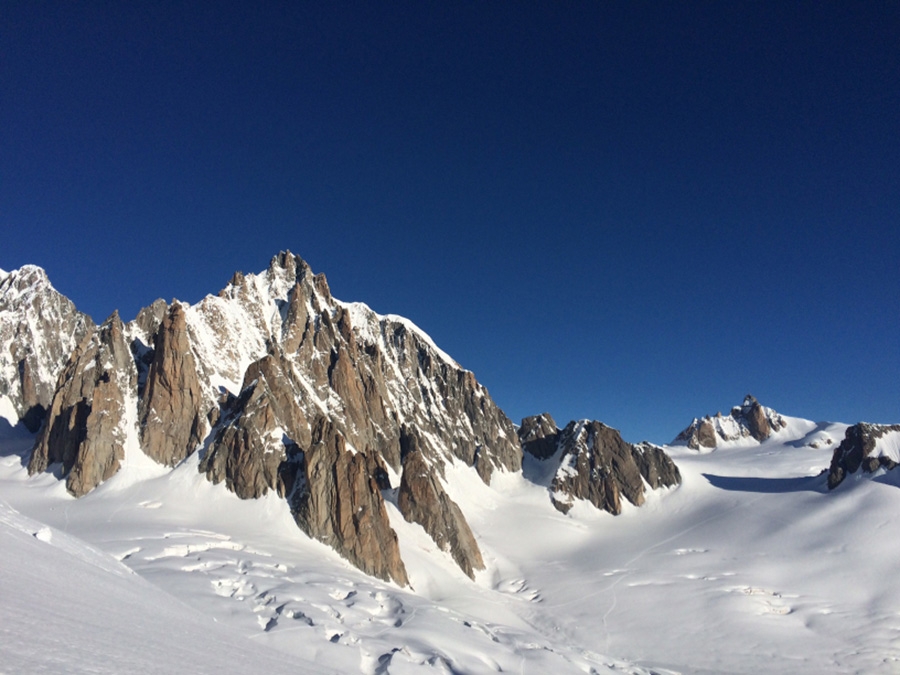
769,485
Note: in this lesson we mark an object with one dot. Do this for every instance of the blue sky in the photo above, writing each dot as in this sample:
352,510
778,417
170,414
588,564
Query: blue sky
634,212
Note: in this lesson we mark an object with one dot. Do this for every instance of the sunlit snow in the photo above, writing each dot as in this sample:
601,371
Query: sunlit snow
750,566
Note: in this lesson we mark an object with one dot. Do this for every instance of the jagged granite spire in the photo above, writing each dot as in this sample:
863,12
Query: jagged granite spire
86,425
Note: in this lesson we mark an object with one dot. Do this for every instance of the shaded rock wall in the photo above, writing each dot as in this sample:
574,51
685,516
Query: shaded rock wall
596,465
85,429
539,436
423,500
860,450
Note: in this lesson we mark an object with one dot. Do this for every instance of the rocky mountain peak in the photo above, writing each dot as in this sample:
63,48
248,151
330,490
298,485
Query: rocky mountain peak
539,435
748,420
590,461
39,329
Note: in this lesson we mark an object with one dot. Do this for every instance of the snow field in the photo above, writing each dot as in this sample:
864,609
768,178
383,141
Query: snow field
749,566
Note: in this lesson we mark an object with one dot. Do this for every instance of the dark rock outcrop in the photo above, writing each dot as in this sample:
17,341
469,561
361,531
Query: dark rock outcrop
598,466
859,449
423,500
336,499
171,409
85,427
595,464
258,431
656,467
748,420
539,435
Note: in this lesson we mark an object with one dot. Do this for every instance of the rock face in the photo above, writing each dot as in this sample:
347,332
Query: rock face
423,500
39,329
748,420
866,446
86,426
595,464
171,415
539,436
260,431
336,499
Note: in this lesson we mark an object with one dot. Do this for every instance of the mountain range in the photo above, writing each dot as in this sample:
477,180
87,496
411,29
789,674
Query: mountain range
379,446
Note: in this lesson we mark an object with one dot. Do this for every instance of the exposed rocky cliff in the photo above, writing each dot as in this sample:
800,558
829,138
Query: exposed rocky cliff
423,500
86,427
39,329
172,407
748,420
865,446
539,435
260,431
593,463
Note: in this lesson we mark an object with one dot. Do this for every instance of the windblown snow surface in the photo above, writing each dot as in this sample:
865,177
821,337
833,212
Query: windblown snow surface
751,566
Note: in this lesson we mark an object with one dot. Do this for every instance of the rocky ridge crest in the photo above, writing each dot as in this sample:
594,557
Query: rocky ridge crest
39,330
748,420
593,463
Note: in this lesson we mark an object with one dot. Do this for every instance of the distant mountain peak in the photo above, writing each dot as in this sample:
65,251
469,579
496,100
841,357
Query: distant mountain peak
750,420
589,461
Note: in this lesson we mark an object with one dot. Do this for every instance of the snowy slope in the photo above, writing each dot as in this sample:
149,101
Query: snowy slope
750,566
68,607
288,594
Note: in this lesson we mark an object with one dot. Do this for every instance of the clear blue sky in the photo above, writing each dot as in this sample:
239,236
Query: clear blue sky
633,212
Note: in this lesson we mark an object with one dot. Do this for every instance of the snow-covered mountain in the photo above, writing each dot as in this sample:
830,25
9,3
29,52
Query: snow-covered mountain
187,446
590,461
276,386
39,328
748,421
